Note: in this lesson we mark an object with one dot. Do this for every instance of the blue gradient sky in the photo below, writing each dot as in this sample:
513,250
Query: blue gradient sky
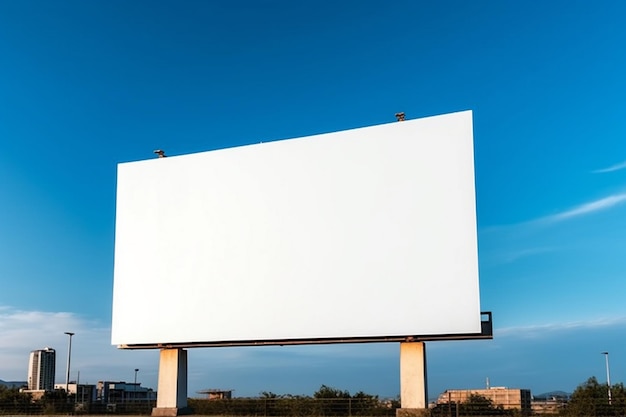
86,85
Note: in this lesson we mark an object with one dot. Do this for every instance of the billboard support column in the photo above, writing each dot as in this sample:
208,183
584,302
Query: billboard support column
172,389
413,387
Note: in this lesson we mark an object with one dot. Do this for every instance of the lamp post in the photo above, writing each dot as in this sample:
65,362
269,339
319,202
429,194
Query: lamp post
135,385
608,375
69,357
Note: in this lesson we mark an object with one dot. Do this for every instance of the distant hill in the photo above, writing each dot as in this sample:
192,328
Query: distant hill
13,384
559,395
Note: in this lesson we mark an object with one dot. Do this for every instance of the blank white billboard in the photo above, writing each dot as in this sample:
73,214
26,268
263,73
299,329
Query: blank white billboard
368,232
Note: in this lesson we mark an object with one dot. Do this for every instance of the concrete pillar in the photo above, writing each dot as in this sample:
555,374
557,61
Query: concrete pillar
413,388
172,390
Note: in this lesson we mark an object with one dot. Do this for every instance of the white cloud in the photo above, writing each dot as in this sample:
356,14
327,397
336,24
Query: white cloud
248,369
92,353
586,208
539,330
553,332
545,357
513,357
616,167
515,255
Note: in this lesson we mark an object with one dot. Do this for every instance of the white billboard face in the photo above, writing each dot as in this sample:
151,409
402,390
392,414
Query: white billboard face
363,233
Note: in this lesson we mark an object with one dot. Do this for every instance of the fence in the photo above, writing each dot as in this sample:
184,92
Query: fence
302,406
235,407
313,407
52,407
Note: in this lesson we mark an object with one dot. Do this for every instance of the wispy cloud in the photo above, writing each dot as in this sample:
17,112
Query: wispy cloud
274,368
586,208
92,353
531,356
581,210
516,356
616,167
523,253
549,330
531,331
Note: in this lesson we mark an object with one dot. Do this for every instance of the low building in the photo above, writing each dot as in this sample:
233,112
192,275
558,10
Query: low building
84,393
507,398
217,394
35,394
116,392
548,406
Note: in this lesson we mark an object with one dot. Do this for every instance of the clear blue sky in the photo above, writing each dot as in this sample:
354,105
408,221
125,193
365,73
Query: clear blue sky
86,85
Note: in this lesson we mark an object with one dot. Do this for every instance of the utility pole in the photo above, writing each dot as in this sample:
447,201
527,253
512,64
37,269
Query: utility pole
608,376
69,358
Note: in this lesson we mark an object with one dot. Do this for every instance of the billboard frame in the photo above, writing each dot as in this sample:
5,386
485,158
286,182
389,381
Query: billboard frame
486,325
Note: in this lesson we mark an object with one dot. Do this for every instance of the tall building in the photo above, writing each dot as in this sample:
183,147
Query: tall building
41,369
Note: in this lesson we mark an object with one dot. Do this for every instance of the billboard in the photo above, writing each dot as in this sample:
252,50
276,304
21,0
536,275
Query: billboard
353,235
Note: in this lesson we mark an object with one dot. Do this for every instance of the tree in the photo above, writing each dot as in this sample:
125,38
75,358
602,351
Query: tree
477,404
592,399
330,392
329,401
14,401
364,404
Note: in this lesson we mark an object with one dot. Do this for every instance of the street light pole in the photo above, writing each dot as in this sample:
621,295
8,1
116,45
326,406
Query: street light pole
69,357
135,385
608,375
